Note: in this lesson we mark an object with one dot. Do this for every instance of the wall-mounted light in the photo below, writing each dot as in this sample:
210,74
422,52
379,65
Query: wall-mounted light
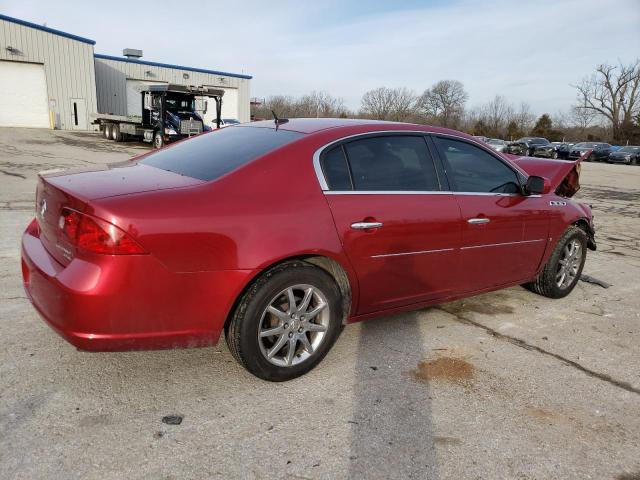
149,73
13,50
222,80
185,76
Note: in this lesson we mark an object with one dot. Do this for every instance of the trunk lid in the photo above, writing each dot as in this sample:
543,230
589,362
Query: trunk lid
76,190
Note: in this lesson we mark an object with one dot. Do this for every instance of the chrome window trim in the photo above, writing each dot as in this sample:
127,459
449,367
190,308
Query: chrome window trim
419,252
501,244
326,190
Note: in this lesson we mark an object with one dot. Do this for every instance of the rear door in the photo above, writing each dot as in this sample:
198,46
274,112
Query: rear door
504,232
400,231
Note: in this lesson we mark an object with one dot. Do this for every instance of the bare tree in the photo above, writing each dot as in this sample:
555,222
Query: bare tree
496,114
320,104
314,104
614,93
523,118
582,117
395,104
444,103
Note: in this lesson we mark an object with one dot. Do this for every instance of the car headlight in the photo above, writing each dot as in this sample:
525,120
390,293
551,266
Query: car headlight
170,131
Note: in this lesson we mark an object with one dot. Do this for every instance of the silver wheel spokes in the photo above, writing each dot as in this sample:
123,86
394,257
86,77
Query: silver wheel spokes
293,325
569,264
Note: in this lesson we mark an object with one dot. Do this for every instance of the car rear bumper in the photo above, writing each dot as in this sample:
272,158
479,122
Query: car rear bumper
128,302
626,161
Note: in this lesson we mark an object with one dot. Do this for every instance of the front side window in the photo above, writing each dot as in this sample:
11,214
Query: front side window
474,170
391,163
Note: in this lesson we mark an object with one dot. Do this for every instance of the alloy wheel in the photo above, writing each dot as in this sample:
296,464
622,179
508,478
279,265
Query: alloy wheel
294,325
569,264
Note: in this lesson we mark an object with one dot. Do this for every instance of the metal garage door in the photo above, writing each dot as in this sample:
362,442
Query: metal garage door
23,95
134,97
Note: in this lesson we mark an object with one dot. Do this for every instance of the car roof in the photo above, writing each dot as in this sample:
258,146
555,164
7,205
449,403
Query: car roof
314,125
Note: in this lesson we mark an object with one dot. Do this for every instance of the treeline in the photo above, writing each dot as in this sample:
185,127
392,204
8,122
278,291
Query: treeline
607,108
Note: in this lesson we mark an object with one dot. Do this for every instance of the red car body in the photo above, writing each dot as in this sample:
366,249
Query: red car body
201,243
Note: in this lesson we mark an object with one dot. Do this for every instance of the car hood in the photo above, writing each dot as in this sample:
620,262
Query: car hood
116,179
563,176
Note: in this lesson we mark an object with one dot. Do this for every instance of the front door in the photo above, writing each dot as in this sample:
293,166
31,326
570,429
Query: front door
399,230
503,231
78,114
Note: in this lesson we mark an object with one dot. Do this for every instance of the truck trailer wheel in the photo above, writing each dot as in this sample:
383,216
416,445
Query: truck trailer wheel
107,131
115,132
158,140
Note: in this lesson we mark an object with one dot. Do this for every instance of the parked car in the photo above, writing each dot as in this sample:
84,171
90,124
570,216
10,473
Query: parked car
482,138
526,145
226,122
599,151
553,150
629,155
564,150
278,233
497,144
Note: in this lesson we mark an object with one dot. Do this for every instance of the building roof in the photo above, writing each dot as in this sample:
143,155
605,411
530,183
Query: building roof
168,65
47,29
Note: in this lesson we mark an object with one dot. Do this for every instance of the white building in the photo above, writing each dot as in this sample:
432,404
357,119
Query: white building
53,79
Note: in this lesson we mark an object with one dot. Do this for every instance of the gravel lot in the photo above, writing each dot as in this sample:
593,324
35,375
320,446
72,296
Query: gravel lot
503,385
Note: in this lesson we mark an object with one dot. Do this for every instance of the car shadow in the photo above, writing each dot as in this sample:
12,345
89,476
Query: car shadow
391,427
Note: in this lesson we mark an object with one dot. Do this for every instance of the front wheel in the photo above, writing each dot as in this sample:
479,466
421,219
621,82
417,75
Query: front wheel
286,322
158,140
564,267
554,155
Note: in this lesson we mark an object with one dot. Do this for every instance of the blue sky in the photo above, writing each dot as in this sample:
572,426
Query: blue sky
527,51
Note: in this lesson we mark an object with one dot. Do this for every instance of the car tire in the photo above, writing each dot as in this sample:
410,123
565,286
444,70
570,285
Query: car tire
311,338
554,155
563,260
107,131
116,135
158,140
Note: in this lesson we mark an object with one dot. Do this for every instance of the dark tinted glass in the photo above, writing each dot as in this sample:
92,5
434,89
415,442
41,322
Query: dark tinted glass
209,156
393,163
336,170
474,170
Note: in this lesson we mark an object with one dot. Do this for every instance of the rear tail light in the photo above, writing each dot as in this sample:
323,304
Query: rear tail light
33,228
25,272
97,236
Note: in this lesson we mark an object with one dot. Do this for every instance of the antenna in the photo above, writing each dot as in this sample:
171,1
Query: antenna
278,121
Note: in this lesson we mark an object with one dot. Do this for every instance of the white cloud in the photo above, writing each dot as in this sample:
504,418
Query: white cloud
527,51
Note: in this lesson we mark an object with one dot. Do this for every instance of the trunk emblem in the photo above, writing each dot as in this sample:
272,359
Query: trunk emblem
43,207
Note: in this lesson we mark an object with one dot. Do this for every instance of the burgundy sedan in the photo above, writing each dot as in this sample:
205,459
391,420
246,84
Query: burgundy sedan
279,233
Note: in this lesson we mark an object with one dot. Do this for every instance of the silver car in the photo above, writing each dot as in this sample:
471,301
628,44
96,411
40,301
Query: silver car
497,144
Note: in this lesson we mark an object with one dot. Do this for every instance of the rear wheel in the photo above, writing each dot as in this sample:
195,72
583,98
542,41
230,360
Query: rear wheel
107,131
115,133
564,267
286,322
554,155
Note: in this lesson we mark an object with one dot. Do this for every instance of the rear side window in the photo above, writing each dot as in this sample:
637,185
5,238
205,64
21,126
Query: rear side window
336,170
391,163
474,170
207,157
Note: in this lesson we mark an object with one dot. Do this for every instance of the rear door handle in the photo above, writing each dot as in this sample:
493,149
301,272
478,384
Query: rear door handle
477,221
365,225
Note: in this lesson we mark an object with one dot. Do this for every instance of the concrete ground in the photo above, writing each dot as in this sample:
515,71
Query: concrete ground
504,385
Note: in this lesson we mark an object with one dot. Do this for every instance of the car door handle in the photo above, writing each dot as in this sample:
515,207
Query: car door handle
365,225
478,221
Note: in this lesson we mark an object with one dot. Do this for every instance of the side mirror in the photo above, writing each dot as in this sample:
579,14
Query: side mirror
535,185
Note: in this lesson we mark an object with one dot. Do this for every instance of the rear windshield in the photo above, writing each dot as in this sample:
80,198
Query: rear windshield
209,156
